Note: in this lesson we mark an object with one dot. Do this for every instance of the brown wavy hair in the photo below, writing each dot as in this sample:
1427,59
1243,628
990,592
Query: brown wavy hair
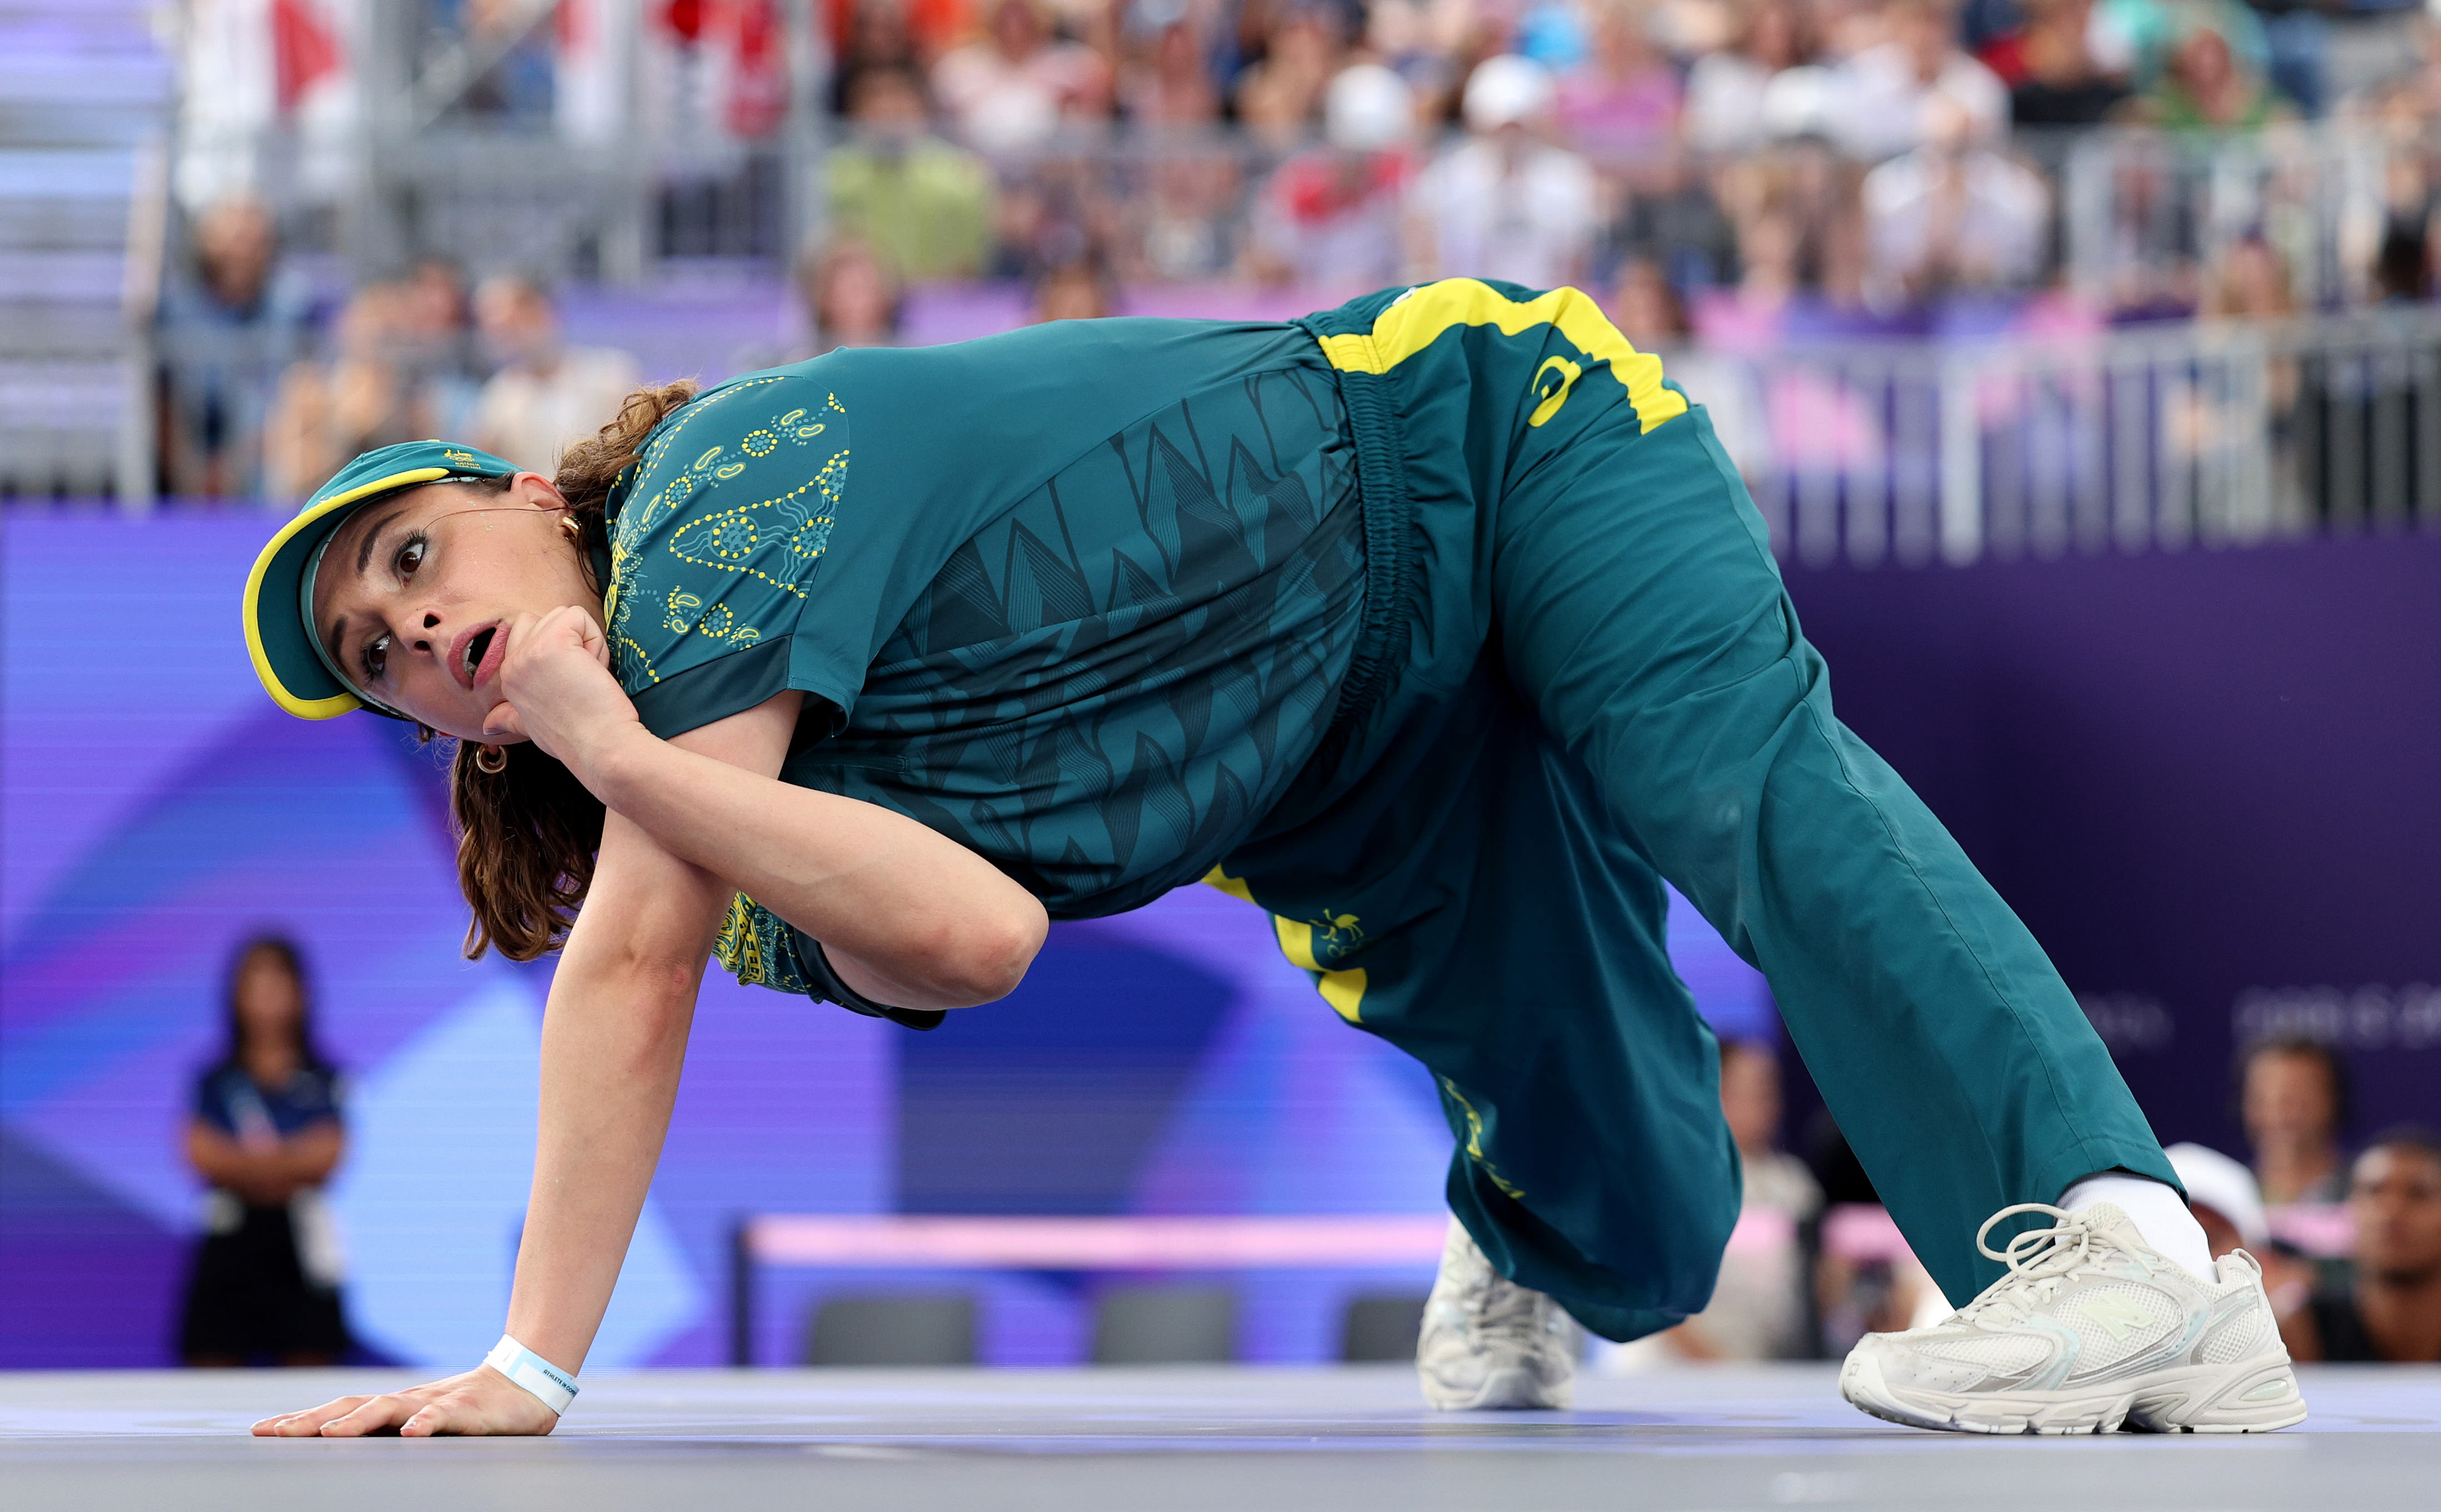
526,835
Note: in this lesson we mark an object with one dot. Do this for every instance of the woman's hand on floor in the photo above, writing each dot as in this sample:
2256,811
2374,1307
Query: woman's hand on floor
481,1402
557,688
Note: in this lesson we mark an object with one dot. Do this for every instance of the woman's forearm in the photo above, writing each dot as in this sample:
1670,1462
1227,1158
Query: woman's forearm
925,921
613,1042
907,916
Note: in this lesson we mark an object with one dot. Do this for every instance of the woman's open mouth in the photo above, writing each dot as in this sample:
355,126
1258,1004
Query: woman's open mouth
478,652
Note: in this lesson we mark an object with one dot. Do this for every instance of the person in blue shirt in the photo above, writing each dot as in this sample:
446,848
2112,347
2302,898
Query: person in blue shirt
266,1135
1436,625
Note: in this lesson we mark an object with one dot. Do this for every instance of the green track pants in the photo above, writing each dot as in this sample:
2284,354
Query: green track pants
1592,679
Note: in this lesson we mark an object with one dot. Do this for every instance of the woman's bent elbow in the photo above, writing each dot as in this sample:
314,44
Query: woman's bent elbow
994,951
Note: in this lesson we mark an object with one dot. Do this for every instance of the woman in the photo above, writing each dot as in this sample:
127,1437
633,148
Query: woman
1438,623
266,1135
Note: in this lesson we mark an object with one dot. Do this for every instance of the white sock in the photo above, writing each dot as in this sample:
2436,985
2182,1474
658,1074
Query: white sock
2157,1212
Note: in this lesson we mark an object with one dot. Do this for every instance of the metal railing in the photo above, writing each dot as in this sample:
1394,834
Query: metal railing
2153,439
2137,214
1910,453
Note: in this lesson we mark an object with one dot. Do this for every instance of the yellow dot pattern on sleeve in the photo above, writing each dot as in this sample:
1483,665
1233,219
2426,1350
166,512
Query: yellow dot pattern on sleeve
771,542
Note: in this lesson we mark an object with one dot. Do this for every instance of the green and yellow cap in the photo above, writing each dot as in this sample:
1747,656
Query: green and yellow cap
288,654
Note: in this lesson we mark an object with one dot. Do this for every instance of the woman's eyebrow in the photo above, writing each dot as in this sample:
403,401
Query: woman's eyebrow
365,544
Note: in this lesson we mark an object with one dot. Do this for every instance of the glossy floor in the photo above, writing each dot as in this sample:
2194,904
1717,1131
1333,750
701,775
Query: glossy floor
1183,1440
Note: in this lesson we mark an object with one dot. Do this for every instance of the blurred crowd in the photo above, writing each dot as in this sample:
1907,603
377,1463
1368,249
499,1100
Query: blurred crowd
2349,1240
1725,175
1725,169
260,398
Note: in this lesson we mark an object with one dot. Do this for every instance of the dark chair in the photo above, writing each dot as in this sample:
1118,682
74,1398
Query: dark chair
1165,1325
1380,1328
902,1330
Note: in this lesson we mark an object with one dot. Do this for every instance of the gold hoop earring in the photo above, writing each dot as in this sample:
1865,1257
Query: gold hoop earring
490,759
574,526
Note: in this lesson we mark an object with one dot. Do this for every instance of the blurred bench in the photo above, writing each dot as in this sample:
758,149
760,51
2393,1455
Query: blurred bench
1118,1245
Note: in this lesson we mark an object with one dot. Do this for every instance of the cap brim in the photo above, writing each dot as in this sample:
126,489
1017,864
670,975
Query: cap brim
277,636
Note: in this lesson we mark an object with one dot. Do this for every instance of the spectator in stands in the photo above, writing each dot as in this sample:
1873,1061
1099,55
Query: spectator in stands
1504,203
1177,215
1758,1310
1647,312
1725,89
2053,75
2249,281
922,204
2391,1311
1898,95
1280,96
1015,87
436,343
1330,217
2296,38
227,325
2402,265
850,298
545,393
1169,83
2293,1097
1671,216
1752,315
1422,40
1866,1277
889,34
1076,291
1952,216
2208,85
364,397
1620,107
265,1135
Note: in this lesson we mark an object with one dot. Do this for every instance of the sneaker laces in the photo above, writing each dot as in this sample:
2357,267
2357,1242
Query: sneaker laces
2040,1261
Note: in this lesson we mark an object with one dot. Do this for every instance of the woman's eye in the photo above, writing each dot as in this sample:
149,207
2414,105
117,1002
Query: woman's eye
376,655
411,556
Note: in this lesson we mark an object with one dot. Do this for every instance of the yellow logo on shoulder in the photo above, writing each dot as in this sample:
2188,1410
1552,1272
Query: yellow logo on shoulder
1552,381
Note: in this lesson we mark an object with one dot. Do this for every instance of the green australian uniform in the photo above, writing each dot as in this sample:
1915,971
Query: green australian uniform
1436,625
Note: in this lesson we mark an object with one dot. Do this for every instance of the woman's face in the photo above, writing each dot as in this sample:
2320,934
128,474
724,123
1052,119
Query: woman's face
415,592
268,1002
2288,1096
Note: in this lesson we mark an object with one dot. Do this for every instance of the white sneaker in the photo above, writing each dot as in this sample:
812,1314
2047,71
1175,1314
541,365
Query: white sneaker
1489,1342
2090,1331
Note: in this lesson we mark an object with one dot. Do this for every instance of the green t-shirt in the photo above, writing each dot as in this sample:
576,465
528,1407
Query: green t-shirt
1080,597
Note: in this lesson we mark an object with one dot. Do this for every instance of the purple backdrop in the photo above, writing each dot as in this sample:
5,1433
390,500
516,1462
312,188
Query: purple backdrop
2206,780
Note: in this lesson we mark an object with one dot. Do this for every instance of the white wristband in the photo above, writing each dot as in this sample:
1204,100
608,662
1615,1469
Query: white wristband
541,1379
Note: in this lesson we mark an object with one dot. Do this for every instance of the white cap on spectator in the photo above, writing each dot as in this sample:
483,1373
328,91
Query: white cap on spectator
1368,108
1801,101
2216,1181
1506,91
